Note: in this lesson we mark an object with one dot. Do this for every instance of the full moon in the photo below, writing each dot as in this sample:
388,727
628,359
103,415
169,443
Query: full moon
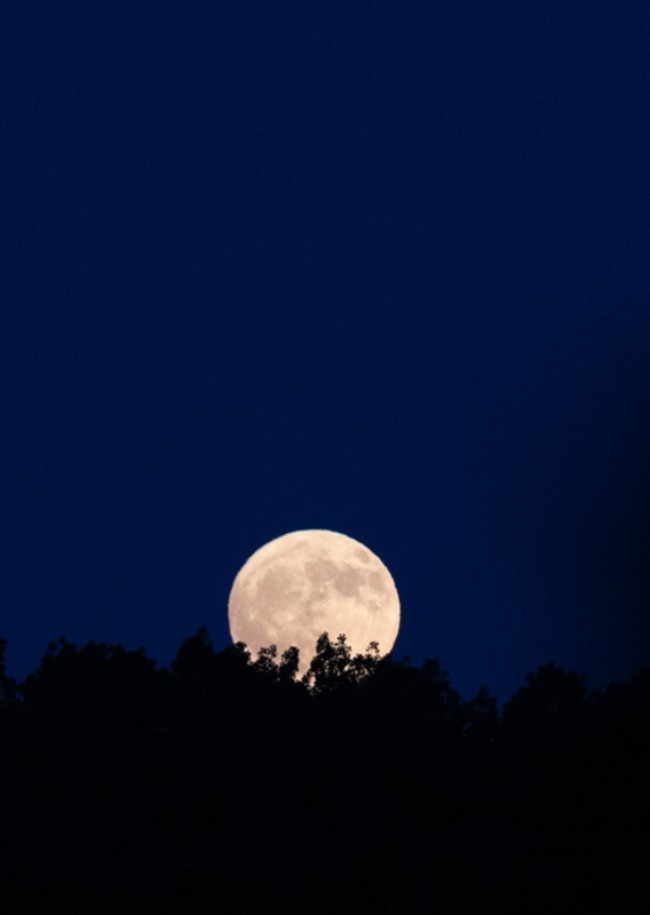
305,583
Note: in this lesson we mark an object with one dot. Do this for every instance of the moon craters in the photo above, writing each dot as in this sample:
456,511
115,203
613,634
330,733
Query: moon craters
313,581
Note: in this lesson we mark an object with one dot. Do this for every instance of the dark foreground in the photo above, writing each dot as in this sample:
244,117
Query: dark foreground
463,874
221,785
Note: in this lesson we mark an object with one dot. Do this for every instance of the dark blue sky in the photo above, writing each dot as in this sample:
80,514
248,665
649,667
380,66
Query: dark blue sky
375,267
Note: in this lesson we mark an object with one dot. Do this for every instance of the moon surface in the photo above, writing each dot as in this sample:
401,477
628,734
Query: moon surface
305,583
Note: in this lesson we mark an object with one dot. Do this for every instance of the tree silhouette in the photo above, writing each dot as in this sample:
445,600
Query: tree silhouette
195,657
552,697
7,685
289,664
334,667
364,764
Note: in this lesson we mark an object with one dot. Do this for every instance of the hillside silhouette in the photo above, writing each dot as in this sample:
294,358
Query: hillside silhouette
118,776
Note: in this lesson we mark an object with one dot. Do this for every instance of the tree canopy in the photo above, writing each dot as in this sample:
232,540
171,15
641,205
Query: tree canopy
382,764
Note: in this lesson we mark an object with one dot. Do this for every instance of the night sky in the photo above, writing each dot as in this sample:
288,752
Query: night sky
379,268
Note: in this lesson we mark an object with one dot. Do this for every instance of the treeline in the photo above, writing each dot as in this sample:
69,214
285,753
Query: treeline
221,765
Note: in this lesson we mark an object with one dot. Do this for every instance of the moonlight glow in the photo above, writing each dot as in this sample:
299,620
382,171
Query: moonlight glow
308,582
